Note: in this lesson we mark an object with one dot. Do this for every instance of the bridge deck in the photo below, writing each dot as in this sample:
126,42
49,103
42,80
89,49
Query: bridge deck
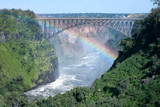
44,18
123,25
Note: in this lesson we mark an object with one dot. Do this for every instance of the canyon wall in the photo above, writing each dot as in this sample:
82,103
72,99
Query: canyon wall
69,44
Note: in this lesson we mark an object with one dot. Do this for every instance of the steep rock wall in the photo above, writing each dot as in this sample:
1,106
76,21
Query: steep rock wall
68,43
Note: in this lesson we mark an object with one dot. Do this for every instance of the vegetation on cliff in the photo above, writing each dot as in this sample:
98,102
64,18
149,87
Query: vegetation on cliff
26,58
134,79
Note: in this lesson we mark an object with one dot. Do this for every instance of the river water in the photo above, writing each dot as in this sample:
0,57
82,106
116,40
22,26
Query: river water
80,74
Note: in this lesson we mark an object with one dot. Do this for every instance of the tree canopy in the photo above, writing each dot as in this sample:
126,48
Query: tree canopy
157,2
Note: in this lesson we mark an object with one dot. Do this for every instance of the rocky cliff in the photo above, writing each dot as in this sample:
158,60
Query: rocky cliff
69,45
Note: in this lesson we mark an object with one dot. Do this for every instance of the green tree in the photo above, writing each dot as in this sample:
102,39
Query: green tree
157,2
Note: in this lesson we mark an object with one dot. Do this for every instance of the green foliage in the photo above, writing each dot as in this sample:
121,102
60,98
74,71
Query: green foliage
134,79
24,56
157,2
126,44
116,38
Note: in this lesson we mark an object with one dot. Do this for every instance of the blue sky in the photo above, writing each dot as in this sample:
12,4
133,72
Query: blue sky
80,6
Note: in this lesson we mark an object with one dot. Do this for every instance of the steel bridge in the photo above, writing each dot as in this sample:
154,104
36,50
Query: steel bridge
57,25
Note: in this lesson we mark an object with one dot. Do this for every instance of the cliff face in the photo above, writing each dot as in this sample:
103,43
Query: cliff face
50,75
68,44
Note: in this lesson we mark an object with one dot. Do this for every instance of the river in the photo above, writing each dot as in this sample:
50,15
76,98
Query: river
80,74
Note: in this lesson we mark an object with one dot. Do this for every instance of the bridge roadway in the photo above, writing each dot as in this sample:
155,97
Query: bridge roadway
44,18
123,25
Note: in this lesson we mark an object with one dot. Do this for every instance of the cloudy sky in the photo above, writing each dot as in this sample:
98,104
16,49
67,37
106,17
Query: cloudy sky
80,6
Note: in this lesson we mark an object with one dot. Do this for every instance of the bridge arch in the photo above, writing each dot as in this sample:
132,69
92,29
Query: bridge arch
57,25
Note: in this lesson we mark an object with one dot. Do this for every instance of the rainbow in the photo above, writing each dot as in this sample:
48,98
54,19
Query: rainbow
106,51
93,44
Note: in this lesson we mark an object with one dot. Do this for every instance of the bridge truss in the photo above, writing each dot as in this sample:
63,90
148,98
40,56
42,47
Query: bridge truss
57,25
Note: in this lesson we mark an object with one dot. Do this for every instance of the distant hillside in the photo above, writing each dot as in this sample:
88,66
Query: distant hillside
93,15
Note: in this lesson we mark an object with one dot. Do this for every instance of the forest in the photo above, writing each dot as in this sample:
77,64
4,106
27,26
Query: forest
132,81
25,56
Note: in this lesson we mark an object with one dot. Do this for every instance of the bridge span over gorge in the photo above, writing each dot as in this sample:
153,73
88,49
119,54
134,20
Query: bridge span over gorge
57,25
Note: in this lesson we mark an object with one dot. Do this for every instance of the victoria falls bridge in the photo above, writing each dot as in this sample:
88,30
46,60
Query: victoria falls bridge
80,60
57,25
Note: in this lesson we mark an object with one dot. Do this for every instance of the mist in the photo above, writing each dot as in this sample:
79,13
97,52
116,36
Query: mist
79,64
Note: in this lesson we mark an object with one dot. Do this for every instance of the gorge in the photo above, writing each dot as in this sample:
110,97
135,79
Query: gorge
85,50
84,64
132,81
